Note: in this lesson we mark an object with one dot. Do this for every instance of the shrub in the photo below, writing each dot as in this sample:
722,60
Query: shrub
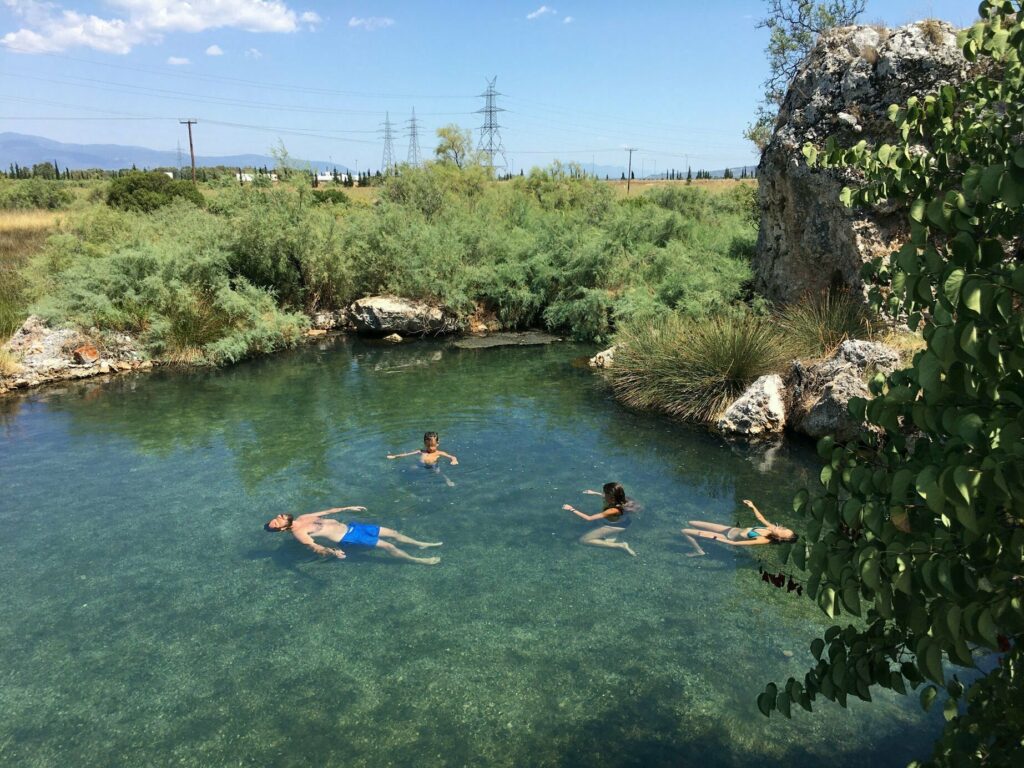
818,323
145,192
34,193
330,197
692,369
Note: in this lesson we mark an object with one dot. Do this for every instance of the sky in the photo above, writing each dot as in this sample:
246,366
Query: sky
579,81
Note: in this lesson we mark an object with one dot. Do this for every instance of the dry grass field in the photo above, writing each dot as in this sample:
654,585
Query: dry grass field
708,185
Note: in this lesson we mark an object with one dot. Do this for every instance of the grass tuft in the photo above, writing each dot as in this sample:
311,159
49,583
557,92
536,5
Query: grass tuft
8,363
816,325
693,369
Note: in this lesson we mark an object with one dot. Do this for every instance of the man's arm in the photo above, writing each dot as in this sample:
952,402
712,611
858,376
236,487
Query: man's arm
402,455
306,539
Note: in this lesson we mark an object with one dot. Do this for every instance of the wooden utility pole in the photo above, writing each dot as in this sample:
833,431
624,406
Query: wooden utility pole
191,150
629,173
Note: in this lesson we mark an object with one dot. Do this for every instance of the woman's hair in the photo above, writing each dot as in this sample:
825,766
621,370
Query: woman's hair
615,494
774,538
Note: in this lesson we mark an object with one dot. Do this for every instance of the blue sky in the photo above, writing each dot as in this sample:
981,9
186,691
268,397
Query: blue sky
581,80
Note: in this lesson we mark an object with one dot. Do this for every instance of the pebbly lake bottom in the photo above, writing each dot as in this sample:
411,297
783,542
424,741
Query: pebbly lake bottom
149,620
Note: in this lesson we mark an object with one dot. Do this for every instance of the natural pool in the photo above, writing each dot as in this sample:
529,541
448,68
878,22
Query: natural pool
148,620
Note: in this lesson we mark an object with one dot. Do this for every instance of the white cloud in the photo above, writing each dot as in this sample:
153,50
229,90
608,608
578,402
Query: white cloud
310,17
214,50
49,27
568,20
371,23
177,61
542,11
254,53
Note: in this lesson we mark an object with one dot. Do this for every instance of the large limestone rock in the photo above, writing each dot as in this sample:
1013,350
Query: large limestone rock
821,393
603,359
808,240
389,314
761,410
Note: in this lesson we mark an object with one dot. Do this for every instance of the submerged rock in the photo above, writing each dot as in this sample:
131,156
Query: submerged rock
821,393
390,314
603,359
394,338
521,339
758,411
809,241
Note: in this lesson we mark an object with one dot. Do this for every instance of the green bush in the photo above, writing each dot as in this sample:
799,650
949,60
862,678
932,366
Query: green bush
145,192
693,369
330,197
34,193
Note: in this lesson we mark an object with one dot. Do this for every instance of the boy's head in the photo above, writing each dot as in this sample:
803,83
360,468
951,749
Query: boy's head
431,440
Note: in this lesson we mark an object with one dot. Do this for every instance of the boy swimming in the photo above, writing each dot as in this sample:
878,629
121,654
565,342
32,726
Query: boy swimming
429,453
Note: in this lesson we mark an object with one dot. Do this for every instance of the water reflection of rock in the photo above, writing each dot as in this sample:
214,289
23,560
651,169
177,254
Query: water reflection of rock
382,359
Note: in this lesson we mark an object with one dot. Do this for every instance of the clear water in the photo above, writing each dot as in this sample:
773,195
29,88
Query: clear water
148,620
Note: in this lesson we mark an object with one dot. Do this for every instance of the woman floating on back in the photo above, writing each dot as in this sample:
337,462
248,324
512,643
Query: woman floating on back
612,521
769,533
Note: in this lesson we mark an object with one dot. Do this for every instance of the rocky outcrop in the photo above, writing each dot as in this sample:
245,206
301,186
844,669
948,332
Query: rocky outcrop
603,359
329,320
808,240
389,314
761,410
821,393
43,354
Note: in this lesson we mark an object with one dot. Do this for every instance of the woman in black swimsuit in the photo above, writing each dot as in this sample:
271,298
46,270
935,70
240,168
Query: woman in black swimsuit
613,520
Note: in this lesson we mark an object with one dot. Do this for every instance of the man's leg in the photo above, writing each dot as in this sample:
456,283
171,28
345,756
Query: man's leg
391,534
394,551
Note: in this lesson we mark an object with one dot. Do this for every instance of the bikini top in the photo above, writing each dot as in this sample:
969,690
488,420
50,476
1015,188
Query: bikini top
753,533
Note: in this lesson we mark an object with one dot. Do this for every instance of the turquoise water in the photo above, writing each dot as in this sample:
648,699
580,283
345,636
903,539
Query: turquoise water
148,619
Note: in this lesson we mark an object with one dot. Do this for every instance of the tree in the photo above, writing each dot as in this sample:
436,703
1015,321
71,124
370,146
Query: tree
282,161
794,27
918,528
455,145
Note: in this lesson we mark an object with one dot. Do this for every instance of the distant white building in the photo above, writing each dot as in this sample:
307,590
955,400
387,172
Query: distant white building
169,174
243,178
327,177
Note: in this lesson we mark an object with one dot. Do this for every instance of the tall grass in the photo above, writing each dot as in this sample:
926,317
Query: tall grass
818,323
22,234
694,368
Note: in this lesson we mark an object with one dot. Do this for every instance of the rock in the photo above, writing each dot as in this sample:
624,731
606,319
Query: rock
808,241
394,338
104,367
314,332
145,365
86,354
483,321
331,320
389,314
603,359
758,411
523,339
822,392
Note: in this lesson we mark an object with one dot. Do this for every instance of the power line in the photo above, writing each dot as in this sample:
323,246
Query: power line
490,136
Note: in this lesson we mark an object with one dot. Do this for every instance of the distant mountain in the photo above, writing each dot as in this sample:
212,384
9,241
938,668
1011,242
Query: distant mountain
28,150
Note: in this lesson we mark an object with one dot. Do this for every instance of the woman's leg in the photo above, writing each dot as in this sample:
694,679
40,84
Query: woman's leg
604,536
391,534
709,526
697,551
692,534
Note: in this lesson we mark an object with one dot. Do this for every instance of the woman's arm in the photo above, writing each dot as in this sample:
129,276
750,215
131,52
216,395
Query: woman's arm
599,516
756,511
593,493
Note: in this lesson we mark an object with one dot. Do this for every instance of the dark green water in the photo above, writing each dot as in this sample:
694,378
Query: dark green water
149,621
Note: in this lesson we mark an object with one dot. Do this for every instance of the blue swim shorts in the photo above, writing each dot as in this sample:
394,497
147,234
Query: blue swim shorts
360,535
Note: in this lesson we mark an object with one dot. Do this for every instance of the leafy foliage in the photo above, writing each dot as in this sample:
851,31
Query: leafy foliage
34,193
919,528
146,192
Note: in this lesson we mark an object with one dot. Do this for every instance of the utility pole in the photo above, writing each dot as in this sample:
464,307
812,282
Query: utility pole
413,158
490,136
389,154
191,149
629,173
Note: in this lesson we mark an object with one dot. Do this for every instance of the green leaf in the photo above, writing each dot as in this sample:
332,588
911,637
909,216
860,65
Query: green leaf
949,709
766,701
987,628
970,295
817,647
782,703
951,288
933,662
1018,157
928,694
